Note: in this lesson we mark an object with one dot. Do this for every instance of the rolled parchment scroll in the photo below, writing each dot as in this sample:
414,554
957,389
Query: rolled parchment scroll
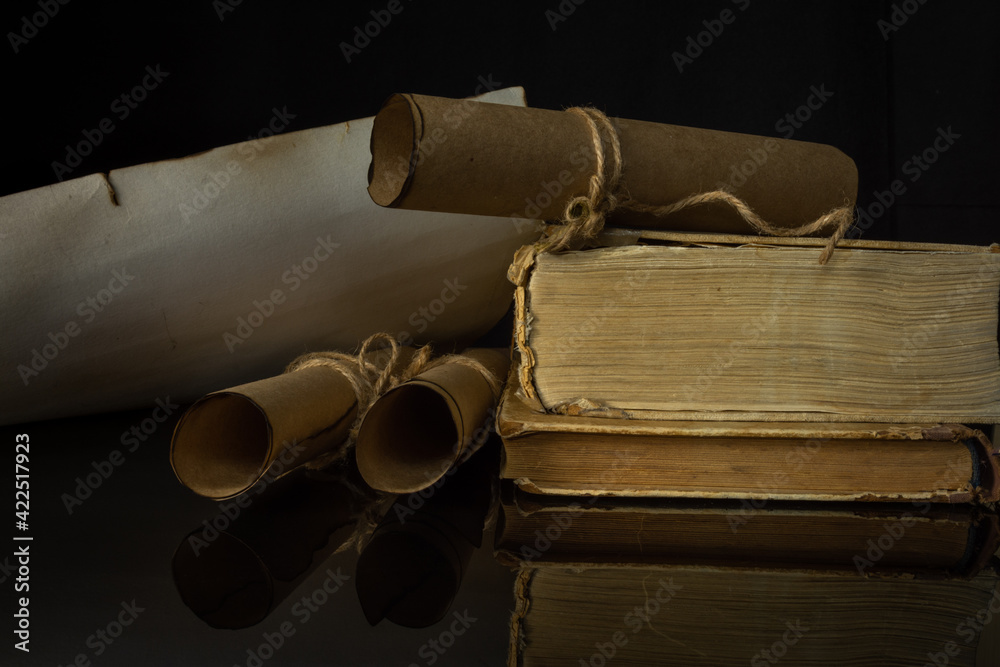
416,432
228,440
462,156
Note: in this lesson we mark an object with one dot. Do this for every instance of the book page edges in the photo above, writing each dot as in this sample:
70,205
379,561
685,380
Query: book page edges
517,418
617,237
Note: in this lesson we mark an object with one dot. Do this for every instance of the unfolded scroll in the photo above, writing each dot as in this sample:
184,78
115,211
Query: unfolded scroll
171,279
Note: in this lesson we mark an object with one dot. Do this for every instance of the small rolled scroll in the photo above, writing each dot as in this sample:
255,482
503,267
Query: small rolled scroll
417,431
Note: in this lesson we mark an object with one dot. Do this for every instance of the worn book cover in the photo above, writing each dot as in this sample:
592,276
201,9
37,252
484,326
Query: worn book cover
617,456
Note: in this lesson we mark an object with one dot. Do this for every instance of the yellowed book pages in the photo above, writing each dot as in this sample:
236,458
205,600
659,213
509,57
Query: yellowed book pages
176,278
740,329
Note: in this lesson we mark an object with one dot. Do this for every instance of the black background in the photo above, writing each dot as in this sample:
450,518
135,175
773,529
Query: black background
892,91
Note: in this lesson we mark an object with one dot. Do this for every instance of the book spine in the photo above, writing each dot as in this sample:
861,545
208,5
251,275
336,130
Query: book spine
521,605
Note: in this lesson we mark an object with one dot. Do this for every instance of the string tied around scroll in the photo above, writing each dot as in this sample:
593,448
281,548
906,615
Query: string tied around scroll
379,366
584,215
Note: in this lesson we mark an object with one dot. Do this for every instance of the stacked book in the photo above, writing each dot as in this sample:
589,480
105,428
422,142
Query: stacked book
764,452
722,448
714,366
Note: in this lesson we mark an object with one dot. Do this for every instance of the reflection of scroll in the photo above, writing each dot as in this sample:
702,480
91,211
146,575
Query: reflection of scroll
234,576
436,154
414,433
413,565
161,291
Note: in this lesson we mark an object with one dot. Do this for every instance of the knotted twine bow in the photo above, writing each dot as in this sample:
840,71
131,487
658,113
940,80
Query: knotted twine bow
370,380
584,215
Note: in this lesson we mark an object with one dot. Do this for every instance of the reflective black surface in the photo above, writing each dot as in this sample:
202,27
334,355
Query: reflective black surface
115,555
142,571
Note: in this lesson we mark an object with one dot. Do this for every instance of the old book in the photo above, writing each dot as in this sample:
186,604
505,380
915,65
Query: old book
175,278
716,327
865,538
718,617
589,455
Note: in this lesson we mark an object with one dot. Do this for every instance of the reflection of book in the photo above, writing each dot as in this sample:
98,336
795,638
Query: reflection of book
859,537
586,455
719,617
726,328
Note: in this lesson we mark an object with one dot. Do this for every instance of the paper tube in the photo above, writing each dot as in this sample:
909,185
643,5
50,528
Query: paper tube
174,278
229,439
414,433
234,572
438,154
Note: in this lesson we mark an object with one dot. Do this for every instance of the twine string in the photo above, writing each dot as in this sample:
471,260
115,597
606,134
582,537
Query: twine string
370,380
584,215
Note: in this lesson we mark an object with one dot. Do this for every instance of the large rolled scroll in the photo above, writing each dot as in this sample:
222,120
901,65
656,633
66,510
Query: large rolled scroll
171,279
437,154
